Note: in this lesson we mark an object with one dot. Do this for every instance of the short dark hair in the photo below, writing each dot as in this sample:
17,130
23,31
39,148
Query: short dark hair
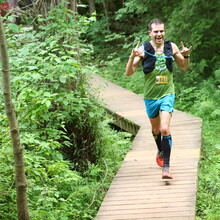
154,21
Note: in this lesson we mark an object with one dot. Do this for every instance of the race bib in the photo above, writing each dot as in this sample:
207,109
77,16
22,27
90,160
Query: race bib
161,79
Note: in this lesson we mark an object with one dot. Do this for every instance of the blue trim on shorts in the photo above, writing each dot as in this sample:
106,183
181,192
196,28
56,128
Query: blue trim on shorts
153,107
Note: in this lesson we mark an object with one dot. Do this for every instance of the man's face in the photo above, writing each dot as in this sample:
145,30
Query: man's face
157,33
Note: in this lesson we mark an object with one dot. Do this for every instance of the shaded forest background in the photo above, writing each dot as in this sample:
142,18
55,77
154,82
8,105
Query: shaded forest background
71,150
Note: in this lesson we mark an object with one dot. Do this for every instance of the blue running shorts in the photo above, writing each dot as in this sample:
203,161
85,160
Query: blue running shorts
153,107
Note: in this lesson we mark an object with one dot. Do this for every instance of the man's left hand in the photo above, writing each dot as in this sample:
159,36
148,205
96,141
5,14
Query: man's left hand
185,51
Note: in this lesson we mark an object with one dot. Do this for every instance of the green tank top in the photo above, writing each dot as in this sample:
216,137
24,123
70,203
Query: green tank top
159,82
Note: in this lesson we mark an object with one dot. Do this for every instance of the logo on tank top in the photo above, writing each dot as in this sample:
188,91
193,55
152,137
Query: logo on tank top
160,63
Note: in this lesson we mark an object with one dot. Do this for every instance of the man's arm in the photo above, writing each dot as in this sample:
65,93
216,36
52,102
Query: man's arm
134,60
181,57
132,65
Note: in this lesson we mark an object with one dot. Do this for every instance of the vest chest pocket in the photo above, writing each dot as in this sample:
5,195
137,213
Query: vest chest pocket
161,79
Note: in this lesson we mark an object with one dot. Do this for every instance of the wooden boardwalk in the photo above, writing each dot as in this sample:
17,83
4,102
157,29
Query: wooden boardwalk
137,191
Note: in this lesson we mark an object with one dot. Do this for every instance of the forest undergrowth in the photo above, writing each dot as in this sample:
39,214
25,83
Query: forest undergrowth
71,151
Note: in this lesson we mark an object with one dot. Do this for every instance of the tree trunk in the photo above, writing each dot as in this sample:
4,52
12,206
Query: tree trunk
73,5
20,178
91,6
105,6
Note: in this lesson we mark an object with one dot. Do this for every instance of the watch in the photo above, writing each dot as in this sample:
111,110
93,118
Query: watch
186,57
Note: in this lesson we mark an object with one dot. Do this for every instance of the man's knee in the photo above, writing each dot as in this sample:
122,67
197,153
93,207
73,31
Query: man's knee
165,130
156,131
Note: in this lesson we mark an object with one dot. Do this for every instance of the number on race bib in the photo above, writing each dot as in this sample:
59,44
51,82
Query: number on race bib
161,79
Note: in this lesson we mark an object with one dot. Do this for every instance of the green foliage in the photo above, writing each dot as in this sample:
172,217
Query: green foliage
208,197
51,88
71,154
199,28
55,191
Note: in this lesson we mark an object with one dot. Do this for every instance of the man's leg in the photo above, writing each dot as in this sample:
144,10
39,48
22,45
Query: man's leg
166,143
155,124
153,109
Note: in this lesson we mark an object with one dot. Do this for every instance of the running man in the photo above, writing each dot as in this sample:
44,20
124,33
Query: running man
157,58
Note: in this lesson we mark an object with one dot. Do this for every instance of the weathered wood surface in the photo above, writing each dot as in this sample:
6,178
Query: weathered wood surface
137,191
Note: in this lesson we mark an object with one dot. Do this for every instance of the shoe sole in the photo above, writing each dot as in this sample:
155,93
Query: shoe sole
167,177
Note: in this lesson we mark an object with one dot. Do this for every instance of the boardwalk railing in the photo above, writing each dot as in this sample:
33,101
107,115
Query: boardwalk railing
138,191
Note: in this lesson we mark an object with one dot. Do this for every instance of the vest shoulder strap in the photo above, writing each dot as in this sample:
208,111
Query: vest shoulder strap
148,47
149,50
168,50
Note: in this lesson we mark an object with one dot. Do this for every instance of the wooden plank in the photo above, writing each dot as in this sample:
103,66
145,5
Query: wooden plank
141,201
162,217
170,215
149,189
145,179
149,199
137,184
153,211
153,194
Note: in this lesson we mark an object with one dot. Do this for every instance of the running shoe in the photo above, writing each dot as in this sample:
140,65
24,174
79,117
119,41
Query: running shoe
166,173
159,158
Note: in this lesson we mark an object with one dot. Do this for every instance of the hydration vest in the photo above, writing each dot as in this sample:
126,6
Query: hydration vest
149,60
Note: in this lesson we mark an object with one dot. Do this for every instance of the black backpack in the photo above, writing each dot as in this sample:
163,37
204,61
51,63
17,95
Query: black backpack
149,60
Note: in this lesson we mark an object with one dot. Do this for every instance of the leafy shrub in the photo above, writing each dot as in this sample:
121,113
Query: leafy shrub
71,154
51,88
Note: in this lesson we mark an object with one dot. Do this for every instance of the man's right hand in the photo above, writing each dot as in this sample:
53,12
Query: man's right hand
137,51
